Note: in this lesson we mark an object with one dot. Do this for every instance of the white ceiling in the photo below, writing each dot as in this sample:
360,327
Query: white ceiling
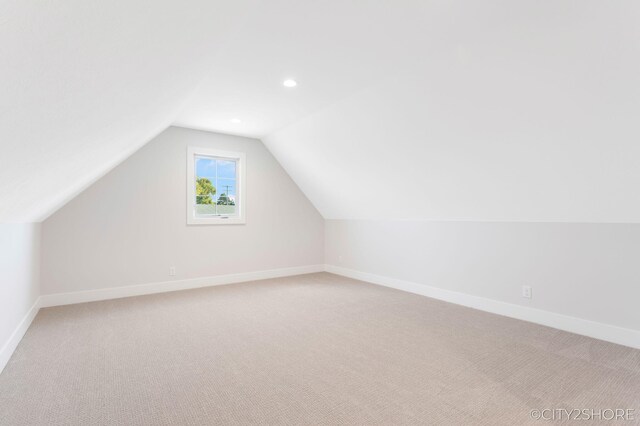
333,49
84,83
442,110
452,110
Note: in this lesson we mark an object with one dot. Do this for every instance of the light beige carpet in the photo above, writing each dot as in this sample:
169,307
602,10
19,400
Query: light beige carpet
312,349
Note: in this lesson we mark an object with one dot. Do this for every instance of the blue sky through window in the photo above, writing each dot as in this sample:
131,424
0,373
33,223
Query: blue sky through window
221,173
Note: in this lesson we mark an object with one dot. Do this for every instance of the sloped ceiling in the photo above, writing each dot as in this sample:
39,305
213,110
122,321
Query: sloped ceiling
443,110
85,83
431,110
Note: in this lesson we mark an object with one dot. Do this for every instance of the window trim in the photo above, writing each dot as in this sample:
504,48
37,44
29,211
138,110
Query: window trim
239,218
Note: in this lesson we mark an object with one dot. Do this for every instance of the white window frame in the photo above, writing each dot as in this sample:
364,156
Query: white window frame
239,157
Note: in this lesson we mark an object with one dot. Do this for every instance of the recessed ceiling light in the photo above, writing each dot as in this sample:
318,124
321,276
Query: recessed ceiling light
289,83
236,121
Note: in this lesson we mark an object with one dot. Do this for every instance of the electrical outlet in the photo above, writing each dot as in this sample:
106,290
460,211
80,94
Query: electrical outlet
172,271
526,291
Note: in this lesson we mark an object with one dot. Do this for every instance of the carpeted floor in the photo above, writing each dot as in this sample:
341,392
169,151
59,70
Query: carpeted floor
312,349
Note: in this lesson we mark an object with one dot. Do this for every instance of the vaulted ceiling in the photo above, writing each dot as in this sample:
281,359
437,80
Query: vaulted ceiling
84,83
432,110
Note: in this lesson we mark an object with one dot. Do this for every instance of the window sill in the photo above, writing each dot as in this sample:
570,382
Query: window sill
216,221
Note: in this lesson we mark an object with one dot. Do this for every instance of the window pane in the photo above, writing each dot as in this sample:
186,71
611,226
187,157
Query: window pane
215,187
226,199
205,185
206,167
226,187
226,169
226,210
206,209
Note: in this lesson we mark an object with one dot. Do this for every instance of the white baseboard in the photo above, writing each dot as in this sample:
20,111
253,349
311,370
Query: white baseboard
610,333
10,345
59,299
597,330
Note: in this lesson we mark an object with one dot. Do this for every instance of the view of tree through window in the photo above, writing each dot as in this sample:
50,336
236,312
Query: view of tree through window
216,188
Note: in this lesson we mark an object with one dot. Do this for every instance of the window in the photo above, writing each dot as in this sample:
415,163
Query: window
215,192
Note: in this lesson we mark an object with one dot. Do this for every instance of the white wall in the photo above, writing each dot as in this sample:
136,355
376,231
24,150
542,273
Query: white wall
588,271
19,284
130,226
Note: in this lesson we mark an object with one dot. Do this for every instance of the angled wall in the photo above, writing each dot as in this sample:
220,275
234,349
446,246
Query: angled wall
130,226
